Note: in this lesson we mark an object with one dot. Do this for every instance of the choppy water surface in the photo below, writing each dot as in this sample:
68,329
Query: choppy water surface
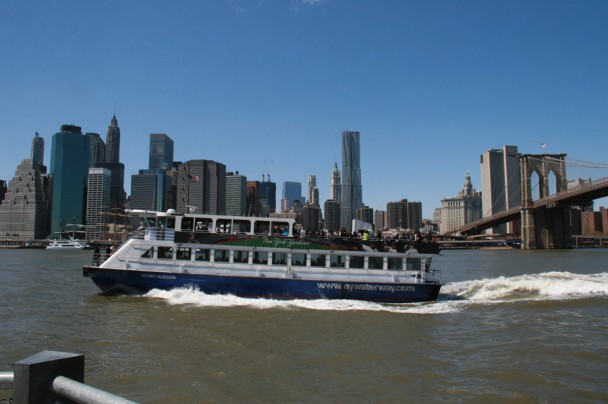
515,326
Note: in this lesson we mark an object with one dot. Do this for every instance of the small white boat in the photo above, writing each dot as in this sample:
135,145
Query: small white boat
70,244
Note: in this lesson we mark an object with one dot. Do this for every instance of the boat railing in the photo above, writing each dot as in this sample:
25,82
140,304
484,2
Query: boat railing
155,233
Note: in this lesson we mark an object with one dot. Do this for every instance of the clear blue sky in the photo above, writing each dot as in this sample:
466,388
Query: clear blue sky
268,86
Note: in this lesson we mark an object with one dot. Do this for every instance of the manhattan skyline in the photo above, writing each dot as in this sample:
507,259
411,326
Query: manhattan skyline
269,87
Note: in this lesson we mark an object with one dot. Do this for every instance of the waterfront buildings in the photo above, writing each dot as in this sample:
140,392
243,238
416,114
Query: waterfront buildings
462,209
236,194
201,187
500,185
351,189
69,171
99,184
311,218
404,215
161,151
379,220
24,210
267,192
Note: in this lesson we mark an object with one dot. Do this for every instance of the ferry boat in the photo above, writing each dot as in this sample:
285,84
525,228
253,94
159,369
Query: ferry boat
70,244
262,258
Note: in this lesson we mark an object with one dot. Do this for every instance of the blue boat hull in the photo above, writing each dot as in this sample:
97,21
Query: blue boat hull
138,282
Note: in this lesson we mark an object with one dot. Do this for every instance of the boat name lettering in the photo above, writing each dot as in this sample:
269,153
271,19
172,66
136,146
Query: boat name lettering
366,287
158,276
283,243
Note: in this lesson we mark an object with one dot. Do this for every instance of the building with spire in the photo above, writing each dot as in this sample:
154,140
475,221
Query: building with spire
112,154
462,209
334,185
351,189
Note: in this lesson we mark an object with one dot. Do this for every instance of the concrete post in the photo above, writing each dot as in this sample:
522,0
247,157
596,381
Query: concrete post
34,376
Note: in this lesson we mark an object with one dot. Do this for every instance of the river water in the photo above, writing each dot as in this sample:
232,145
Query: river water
509,325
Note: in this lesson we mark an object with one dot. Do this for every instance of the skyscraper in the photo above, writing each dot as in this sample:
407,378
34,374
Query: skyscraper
500,184
69,171
161,151
150,190
98,202
201,185
38,149
268,197
313,192
292,191
236,194
97,149
334,185
24,211
332,215
352,194
113,142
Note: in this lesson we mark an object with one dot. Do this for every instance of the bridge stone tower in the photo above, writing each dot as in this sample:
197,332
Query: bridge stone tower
548,226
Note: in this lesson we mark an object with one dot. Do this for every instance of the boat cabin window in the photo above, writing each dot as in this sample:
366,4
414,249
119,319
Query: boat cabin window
280,228
260,257
413,264
165,253
317,260
223,226
202,254
187,223
149,253
298,259
337,261
241,256
375,262
279,258
170,223
182,254
261,227
221,256
394,263
356,262
202,224
241,226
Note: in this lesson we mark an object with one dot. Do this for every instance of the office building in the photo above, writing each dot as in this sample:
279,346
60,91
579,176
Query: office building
201,187
112,154
351,189
292,191
311,218
313,191
69,172
98,203
379,220
332,215
414,215
150,190
24,210
500,185
365,214
117,193
97,149
37,154
462,209
404,215
3,190
267,197
236,194
161,152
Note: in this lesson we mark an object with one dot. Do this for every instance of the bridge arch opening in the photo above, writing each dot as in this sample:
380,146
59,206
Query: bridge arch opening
535,184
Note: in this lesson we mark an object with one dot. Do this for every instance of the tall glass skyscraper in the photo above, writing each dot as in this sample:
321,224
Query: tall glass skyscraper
352,193
292,191
69,171
113,142
161,151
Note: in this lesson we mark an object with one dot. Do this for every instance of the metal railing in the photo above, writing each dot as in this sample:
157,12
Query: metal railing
42,378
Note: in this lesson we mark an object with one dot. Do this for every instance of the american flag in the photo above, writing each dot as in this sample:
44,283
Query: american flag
193,178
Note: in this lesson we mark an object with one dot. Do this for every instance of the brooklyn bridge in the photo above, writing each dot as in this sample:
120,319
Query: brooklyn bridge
545,217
